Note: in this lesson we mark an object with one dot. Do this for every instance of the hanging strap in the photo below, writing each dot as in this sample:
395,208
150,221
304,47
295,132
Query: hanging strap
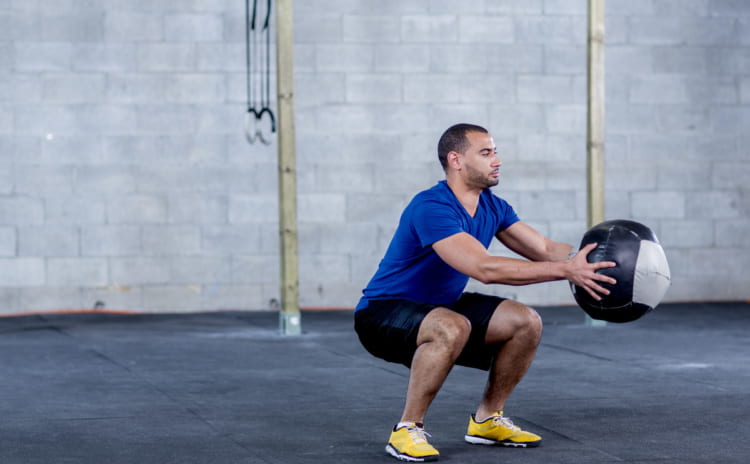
260,121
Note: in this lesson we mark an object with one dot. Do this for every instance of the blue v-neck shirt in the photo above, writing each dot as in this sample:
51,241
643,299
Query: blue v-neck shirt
411,269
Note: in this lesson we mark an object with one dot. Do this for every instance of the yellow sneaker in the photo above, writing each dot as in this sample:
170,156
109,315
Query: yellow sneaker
499,430
409,443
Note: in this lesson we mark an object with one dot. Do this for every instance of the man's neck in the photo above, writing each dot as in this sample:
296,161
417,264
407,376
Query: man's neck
466,195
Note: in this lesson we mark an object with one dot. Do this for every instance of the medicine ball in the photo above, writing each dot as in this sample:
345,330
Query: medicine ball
642,271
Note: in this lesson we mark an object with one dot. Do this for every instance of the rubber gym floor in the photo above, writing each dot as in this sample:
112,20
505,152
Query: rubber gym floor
227,387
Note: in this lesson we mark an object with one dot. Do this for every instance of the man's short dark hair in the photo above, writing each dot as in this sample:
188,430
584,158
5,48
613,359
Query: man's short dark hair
454,139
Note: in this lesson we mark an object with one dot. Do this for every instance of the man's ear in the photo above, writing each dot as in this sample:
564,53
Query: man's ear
454,160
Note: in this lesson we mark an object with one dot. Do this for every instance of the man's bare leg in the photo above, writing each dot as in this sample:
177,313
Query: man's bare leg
442,335
518,329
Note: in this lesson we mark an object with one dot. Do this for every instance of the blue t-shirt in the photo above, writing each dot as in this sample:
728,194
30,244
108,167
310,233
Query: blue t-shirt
411,269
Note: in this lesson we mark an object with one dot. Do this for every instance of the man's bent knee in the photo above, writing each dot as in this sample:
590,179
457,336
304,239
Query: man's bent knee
446,327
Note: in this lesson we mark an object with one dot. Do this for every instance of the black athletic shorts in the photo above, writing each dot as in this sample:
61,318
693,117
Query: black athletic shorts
388,328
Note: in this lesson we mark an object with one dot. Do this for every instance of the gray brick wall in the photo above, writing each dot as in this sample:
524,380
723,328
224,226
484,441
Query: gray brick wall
125,176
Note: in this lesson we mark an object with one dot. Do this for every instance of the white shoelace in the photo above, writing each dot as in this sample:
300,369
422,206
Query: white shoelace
418,434
505,422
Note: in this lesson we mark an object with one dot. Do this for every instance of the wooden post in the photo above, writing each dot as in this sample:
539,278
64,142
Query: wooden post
289,317
595,119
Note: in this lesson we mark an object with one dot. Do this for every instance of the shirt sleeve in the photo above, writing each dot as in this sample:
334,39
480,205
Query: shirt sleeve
434,221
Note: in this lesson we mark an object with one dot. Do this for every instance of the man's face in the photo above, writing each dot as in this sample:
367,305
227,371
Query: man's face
481,164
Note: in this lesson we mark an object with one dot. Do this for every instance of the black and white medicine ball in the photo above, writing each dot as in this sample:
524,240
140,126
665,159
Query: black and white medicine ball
642,271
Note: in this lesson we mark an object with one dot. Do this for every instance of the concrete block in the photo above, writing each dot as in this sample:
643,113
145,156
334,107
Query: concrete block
687,177
344,57
717,204
521,58
45,119
380,208
336,268
66,88
8,241
512,119
373,88
408,178
106,240
104,180
128,271
43,241
369,28
404,58
330,178
678,118
135,88
564,59
254,269
322,207
193,27
200,270
19,87
546,89
551,147
172,298
230,239
513,7
713,89
710,31
22,272
103,57
117,297
171,240
730,175
195,208
733,233
681,60
21,210
222,57
659,205
686,233
547,205
656,31
165,57
548,30
49,298
323,26
34,180
130,26
74,25
318,89
727,119
521,176
429,28
235,297
77,272
106,119
566,119
167,119
564,7
42,56
478,89
195,88
255,209
486,29
429,88
65,150
136,209
123,150
6,120
658,147
625,118
74,209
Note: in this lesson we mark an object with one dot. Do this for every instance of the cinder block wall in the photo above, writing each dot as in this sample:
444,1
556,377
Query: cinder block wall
125,177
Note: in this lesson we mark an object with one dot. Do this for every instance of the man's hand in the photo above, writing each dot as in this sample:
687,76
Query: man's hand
583,274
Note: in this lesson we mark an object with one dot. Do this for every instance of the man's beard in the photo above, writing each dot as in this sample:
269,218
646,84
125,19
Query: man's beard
477,179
